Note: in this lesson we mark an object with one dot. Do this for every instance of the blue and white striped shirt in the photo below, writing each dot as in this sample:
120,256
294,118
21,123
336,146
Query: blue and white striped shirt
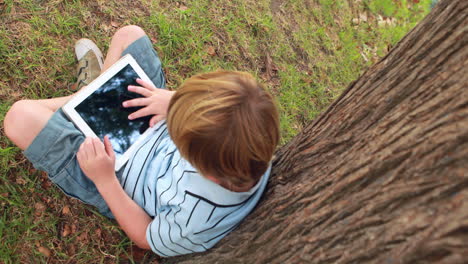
190,213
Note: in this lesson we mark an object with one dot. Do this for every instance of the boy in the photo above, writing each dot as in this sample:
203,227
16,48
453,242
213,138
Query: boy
191,182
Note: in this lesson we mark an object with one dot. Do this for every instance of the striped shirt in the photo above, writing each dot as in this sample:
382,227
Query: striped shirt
190,213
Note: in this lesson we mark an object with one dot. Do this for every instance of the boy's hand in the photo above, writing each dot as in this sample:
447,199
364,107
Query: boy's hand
155,101
97,160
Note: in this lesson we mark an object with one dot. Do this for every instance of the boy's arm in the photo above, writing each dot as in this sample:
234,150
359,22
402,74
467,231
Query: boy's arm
130,216
97,162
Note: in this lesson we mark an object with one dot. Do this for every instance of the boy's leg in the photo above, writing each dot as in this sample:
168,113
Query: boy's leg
120,41
26,118
134,41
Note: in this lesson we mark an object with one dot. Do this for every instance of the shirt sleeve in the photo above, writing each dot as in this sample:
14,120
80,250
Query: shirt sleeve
167,237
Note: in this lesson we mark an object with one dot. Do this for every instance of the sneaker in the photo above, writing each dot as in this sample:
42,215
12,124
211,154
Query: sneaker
90,61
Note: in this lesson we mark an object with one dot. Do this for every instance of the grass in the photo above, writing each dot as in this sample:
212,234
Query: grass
306,53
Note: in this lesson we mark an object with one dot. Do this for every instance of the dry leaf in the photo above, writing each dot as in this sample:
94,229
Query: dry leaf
269,66
138,254
71,249
66,231
20,181
211,51
66,210
46,184
98,232
86,15
5,195
363,17
105,27
115,24
40,208
385,21
83,237
380,21
390,21
44,251
364,56
16,94
183,8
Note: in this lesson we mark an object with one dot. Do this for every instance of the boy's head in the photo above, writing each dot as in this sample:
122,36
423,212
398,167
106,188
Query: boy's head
226,125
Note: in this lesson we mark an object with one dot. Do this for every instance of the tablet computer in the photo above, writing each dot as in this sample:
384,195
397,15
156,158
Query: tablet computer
97,109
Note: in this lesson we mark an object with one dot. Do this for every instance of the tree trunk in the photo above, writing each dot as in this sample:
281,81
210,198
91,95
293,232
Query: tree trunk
382,175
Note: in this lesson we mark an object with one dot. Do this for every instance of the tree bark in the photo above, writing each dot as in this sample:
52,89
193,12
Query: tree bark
382,175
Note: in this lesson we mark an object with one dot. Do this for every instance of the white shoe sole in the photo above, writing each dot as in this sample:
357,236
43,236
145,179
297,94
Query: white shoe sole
82,46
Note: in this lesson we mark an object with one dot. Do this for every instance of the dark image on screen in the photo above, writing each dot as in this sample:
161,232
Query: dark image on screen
105,115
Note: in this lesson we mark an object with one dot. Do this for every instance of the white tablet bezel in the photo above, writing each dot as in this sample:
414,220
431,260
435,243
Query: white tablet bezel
69,107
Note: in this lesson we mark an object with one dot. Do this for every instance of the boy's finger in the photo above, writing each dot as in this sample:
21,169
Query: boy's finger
88,148
146,84
140,90
136,102
108,145
140,113
98,146
94,146
82,151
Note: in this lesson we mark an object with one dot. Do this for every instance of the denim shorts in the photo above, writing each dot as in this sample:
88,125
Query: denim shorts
54,148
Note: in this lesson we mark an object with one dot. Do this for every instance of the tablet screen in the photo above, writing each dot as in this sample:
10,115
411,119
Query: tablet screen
105,115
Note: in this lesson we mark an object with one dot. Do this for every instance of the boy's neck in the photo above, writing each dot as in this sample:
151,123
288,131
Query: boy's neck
231,187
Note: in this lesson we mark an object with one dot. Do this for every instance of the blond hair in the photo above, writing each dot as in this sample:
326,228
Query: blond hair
226,125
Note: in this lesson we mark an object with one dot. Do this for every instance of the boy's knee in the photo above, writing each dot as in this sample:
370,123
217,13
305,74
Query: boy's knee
12,117
129,34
